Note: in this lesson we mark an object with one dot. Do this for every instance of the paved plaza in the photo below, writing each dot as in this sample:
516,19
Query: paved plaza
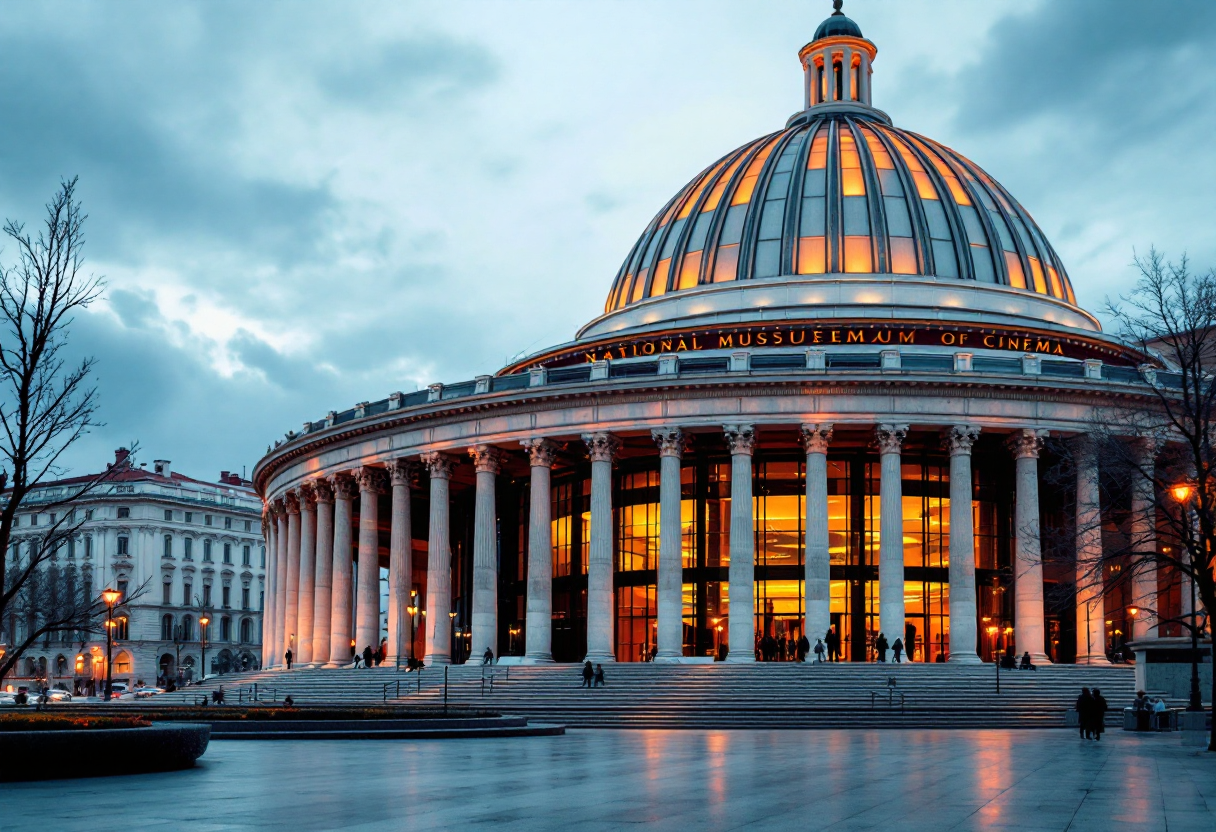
677,780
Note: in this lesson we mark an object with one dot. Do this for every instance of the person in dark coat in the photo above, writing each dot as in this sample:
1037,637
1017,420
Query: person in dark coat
368,656
832,641
588,673
804,647
880,647
1098,715
897,650
599,676
288,657
1085,711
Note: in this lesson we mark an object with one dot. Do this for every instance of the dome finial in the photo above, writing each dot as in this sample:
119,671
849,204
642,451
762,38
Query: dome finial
836,4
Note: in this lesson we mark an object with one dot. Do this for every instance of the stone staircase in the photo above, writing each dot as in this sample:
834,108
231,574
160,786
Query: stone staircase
777,695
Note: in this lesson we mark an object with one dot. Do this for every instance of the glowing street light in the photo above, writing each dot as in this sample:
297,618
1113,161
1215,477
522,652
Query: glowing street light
203,621
110,596
1182,492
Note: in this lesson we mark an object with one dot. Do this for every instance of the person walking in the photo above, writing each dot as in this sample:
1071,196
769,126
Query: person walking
356,660
880,648
804,647
382,653
1099,715
487,657
897,650
287,657
367,656
832,641
588,673
819,651
599,676
1085,709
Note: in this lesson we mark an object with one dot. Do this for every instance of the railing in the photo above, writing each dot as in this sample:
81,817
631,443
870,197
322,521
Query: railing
892,694
812,361
253,693
396,686
489,672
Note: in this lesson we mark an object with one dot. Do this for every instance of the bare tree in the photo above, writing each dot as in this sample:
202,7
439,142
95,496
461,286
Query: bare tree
47,403
1157,461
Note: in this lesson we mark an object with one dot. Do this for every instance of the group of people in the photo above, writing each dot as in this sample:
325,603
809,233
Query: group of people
370,657
1091,714
593,677
881,645
1151,713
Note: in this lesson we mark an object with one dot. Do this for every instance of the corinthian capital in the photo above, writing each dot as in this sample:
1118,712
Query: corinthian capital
344,486
487,459
602,447
372,480
542,453
291,501
439,465
402,472
671,441
890,438
816,438
308,496
741,439
958,439
1026,443
322,490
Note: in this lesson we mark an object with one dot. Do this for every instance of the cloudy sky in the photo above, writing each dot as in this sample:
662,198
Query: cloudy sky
299,206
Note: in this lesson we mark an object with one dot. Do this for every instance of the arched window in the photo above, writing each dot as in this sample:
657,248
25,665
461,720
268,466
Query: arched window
187,628
838,78
166,627
122,662
120,629
246,631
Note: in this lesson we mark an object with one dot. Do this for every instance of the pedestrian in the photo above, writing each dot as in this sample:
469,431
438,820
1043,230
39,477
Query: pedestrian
382,654
1160,715
819,651
588,672
880,648
804,647
1085,709
367,656
1142,709
897,650
487,657
219,696
1026,663
357,659
288,656
1099,715
832,640
599,676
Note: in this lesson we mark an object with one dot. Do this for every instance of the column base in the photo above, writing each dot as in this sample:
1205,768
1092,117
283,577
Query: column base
538,658
332,665
736,657
600,658
661,659
1099,660
1039,658
436,661
964,658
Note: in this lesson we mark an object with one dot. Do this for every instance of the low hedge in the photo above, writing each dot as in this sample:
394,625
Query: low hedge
62,722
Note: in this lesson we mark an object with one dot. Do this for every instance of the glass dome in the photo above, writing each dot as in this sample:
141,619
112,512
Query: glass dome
840,193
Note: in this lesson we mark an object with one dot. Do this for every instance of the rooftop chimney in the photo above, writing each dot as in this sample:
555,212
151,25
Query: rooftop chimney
121,457
162,467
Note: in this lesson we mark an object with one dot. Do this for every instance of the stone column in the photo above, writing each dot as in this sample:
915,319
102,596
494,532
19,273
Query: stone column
817,578
487,461
400,562
439,562
672,443
1144,537
603,448
1029,627
741,624
270,527
340,621
539,634
367,588
1091,613
280,583
308,568
292,594
964,630
324,570
891,532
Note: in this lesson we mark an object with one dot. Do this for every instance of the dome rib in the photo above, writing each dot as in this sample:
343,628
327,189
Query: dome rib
890,202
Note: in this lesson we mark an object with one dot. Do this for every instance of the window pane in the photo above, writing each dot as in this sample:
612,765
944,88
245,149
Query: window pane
943,257
857,254
1017,278
768,256
811,259
898,222
690,270
903,255
726,263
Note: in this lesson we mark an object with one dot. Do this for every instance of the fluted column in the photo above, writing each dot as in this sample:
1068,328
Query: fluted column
963,625
741,625
400,562
1144,537
280,583
603,448
817,580
539,634
323,570
487,461
891,532
291,619
340,621
270,532
1029,627
670,590
308,550
439,562
1091,613
372,483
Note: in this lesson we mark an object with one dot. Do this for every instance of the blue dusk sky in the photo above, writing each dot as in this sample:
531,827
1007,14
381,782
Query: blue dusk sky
300,206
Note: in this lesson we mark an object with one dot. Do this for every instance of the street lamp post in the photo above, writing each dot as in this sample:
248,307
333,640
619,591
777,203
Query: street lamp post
452,618
203,621
110,596
412,610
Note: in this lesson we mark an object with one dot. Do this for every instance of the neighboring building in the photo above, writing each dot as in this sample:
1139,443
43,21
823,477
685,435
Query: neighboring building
197,544
829,362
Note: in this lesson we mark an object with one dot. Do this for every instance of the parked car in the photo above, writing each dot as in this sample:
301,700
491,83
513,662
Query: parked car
146,691
8,700
58,696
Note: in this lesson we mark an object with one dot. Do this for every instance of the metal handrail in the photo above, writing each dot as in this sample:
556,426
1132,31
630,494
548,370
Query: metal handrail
891,694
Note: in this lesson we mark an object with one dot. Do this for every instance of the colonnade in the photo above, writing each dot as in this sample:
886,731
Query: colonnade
312,580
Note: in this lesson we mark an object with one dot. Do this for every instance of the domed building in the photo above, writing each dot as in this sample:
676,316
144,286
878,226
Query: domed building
813,406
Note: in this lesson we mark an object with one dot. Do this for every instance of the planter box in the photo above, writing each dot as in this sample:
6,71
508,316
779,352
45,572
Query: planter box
53,755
